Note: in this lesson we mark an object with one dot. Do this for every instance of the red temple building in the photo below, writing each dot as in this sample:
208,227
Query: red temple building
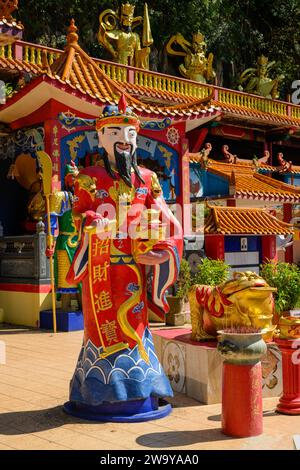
256,188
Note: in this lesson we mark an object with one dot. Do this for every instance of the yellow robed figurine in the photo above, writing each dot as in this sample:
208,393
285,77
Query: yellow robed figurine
61,218
256,80
117,36
196,65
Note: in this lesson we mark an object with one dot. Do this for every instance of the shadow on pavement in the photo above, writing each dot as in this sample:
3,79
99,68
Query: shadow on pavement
177,438
24,422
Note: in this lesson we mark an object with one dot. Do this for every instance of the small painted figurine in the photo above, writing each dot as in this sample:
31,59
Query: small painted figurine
67,240
256,80
117,36
125,261
196,65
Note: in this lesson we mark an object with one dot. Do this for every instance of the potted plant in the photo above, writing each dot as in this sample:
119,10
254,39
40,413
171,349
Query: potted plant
286,278
211,272
176,315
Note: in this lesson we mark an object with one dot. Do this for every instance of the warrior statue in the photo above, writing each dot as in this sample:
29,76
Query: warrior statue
67,240
196,65
128,256
257,81
117,36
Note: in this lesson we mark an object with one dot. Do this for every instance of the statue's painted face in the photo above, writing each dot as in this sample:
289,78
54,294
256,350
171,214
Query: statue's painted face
126,19
262,71
120,139
119,143
199,47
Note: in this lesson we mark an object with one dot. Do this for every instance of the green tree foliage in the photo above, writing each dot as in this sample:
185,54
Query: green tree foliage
211,272
236,31
286,278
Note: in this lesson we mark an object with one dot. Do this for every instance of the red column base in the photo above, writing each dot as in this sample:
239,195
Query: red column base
289,403
288,407
242,412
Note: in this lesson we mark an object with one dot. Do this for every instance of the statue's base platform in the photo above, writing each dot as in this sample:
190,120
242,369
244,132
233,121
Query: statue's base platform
124,412
66,321
22,301
195,368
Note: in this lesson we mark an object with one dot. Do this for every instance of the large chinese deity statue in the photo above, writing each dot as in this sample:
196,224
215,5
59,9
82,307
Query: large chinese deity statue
196,65
129,254
117,36
67,240
257,80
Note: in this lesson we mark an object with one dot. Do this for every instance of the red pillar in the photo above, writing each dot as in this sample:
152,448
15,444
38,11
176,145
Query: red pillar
52,147
242,400
287,217
231,202
289,402
215,246
18,51
268,248
196,139
184,196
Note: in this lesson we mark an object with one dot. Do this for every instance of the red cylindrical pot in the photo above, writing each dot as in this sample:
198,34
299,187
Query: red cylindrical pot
242,400
242,408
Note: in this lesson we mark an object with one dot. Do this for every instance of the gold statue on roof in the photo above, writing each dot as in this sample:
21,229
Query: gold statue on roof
196,65
256,80
117,36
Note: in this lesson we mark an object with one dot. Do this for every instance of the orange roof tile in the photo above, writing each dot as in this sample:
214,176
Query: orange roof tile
247,183
19,66
256,114
236,220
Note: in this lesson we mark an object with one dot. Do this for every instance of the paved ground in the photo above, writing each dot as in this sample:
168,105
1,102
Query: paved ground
34,385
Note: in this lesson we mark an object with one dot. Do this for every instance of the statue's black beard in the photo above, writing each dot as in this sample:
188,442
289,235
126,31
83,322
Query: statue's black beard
124,163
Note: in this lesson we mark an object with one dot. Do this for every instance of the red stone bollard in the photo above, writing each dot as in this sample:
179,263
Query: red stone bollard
242,408
242,400
289,402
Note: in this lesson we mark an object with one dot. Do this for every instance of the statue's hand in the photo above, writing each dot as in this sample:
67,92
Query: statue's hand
96,221
100,223
153,257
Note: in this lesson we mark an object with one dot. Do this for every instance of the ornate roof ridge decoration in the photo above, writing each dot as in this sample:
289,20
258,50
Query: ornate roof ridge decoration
75,65
235,164
243,220
246,183
7,7
202,156
258,163
285,166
